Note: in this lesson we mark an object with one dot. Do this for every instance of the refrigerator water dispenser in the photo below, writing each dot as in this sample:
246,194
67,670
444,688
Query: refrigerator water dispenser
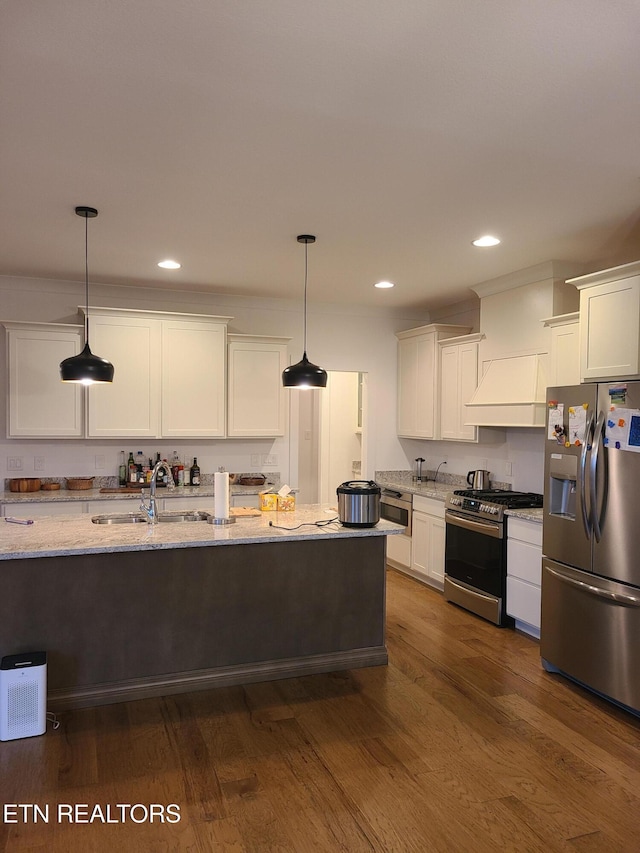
563,475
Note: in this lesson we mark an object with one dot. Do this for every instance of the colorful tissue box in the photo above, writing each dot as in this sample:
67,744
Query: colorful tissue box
286,503
268,501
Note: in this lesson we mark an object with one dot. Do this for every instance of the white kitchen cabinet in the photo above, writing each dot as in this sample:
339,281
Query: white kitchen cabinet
169,379
564,351
193,386
610,323
458,381
246,500
399,551
187,503
39,405
44,508
130,405
428,540
257,402
418,384
524,573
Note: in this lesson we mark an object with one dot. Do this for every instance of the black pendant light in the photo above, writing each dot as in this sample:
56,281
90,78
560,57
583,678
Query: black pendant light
86,368
304,374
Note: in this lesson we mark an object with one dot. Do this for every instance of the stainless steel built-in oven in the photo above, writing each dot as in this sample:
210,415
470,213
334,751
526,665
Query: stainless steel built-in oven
476,550
398,507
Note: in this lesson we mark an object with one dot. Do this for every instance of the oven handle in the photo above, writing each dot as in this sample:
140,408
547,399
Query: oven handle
486,528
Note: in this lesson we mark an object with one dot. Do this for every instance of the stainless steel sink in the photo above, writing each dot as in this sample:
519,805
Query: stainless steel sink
140,517
177,515
120,518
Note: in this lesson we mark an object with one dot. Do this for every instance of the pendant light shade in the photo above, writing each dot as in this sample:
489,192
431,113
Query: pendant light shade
86,368
304,374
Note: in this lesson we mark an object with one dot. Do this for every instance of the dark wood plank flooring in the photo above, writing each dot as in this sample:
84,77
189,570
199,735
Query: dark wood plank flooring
463,743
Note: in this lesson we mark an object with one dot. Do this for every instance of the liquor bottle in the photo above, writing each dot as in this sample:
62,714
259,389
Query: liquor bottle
177,469
195,473
133,471
122,470
160,476
186,473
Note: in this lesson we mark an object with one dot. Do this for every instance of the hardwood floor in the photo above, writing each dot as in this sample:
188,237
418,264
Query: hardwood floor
463,743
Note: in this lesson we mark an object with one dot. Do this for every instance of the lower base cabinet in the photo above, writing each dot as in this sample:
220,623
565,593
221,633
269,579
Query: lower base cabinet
399,552
524,574
427,542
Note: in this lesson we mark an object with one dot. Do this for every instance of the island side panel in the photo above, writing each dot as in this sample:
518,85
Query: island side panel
130,615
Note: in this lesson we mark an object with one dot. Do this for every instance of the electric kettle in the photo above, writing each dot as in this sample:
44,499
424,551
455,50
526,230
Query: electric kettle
479,479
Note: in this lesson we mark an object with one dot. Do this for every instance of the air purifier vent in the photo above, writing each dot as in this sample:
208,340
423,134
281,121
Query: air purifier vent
23,695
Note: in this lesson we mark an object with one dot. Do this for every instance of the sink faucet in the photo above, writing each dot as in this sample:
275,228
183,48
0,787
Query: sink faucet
151,509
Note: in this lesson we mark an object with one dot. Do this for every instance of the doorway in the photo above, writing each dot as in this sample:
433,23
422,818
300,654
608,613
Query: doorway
331,436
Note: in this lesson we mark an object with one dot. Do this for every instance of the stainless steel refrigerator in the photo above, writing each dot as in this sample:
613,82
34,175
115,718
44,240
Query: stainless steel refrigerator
590,626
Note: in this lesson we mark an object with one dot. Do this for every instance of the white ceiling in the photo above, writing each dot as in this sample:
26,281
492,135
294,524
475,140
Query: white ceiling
215,131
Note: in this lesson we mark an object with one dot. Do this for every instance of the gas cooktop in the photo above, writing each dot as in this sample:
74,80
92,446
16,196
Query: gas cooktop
491,503
503,497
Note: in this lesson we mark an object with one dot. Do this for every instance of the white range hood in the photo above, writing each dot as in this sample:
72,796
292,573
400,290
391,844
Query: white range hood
511,393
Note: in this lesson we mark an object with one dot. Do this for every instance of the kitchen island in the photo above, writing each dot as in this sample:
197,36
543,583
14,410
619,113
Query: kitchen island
133,610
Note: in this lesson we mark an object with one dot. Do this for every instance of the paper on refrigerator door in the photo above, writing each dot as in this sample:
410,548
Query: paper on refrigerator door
555,430
577,424
622,429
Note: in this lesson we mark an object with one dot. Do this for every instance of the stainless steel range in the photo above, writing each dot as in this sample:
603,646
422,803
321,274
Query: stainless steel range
476,549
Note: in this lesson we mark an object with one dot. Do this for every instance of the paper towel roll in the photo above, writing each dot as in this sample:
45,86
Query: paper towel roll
221,494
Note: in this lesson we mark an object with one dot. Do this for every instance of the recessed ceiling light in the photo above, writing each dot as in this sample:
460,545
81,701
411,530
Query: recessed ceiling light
384,284
169,265
485,241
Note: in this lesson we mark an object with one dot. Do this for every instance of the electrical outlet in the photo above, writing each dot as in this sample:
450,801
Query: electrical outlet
255,460
14,463
38,463
269,459
99,461
508,469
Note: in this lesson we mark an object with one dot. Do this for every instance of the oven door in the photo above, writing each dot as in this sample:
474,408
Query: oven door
476,566
397,506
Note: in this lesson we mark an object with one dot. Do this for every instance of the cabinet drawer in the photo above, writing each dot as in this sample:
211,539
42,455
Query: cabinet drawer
429,505
524,561
523,601
527,531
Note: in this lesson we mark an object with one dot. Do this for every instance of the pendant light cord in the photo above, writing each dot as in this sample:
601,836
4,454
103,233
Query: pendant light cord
304,335
86,279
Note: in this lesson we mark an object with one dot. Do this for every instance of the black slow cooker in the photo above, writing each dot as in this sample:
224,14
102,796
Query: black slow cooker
359,503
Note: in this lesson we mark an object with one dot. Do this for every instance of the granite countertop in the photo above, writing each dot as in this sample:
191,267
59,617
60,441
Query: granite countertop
403,481
427,488
77,534
64,495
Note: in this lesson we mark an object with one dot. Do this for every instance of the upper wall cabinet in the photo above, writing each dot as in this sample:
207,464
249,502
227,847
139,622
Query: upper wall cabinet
610,323
564,351
39,404
458,381
257,402
418,383
170,374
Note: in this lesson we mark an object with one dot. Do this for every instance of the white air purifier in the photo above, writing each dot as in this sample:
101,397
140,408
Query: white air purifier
23,695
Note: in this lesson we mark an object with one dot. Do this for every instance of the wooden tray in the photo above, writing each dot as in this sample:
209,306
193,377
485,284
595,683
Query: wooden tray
244,512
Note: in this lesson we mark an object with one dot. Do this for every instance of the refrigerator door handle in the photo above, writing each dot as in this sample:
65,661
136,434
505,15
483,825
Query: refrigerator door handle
583,469
593,492
617,598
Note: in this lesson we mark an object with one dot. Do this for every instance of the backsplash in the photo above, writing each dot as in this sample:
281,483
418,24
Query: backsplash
456,481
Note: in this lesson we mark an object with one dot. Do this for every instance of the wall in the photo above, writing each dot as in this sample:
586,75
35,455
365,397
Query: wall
521,449
342,338
340,447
